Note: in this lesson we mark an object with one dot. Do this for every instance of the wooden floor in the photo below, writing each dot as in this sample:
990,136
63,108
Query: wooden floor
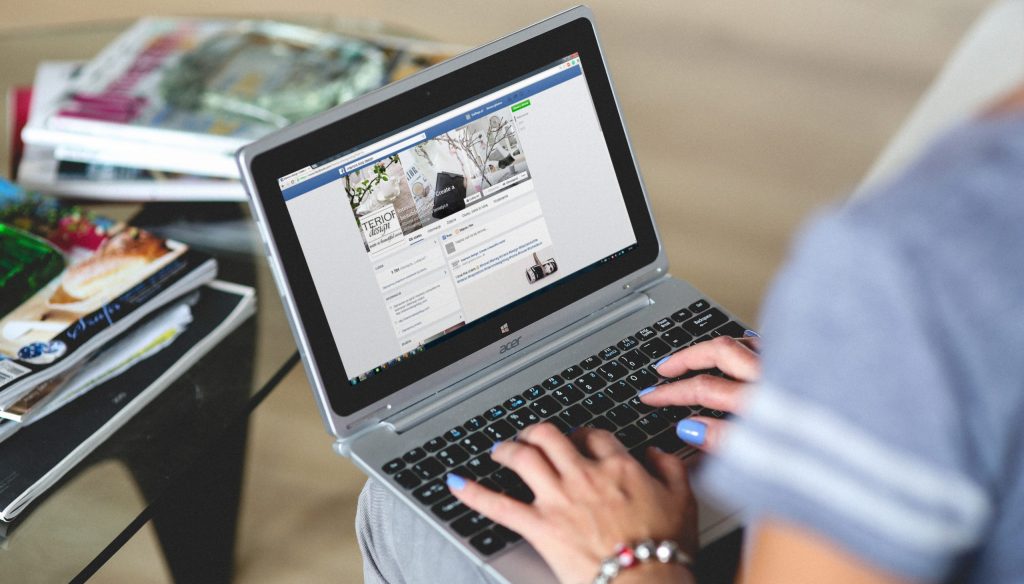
746,116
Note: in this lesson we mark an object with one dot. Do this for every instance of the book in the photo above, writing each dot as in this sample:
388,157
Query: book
39,453
73,282
40,169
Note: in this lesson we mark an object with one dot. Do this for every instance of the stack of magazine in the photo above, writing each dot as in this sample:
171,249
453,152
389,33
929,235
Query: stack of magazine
96,318
159,113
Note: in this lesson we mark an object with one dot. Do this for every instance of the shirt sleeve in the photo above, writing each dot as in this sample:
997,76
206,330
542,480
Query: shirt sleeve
855,430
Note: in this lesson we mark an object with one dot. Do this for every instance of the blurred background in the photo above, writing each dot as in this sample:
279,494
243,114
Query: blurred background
746,116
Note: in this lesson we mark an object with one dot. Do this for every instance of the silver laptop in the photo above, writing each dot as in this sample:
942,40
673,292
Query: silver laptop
469,251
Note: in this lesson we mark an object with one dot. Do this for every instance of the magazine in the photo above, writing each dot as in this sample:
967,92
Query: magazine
182,95
44,449
73,281
39,168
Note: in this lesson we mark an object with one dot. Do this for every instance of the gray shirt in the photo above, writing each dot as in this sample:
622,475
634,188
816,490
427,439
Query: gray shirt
890,417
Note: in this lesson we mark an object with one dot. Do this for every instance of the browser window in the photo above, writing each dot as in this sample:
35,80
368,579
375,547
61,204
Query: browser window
425,231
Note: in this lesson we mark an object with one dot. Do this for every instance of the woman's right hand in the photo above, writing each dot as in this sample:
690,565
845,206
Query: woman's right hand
736,358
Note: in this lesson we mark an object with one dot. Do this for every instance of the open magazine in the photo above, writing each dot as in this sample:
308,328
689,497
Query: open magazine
183,95
73,282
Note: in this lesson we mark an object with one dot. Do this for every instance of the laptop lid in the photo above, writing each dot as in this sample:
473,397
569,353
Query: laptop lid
433,227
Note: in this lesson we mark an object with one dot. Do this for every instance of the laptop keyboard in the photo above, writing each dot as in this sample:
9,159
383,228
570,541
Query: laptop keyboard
600,392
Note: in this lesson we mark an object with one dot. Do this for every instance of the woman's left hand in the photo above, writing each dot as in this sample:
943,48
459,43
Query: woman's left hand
590,496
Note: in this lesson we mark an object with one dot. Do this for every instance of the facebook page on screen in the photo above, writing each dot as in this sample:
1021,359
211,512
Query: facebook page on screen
427,230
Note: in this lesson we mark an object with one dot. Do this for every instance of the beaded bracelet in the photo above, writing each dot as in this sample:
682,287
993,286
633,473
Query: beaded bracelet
625,557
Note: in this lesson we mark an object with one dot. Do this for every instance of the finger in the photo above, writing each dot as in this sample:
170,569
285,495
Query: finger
706,390
597,443
529,463
513,514
731,356
559,450
669,468
702,432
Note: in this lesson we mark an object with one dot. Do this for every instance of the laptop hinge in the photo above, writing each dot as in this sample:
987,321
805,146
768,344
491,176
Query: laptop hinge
444,399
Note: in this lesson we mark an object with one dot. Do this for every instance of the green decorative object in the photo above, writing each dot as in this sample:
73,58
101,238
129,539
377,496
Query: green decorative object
27,264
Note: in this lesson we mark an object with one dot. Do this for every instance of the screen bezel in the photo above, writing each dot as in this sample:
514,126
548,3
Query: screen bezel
428,99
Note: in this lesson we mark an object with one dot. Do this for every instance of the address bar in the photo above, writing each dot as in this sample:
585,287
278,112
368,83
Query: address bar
380,153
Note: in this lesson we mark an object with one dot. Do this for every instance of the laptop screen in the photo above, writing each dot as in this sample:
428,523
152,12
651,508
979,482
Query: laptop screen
412,238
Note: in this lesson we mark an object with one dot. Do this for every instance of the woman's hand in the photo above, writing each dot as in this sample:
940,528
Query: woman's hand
737,358
590,496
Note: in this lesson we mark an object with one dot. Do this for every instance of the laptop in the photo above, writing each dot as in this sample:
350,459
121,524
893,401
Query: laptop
469,251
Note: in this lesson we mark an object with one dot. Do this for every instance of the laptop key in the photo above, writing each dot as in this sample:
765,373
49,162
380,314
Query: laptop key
589,382
533,393
655,349
572,371
407,478
575,415
455,434
705,322
514,403
729,329
674,413
699,306
652,423
627,344
475,423
500,430
561,424
620,391
476,443
431,492
393,466
642,379
609,353
645,334
522,419
682,315
567,395
699,340
482,465
467,525
590,362
622,415
676,337
428,468
494,413
434,444
521,493
414,455
612,370
602,423
452,455
633,359
505,478
552,382
487,542
598,403
630,436
668,441
635,403
545,407
449,509
506,533
664,324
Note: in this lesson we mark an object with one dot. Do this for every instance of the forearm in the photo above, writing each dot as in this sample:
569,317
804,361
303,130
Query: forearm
656,573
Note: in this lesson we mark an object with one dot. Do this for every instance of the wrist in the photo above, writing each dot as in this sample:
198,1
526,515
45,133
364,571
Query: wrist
657,573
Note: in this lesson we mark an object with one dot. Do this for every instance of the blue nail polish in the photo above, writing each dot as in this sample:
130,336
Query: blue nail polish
647,390
691,431
495,446
662,360
750,333
455,482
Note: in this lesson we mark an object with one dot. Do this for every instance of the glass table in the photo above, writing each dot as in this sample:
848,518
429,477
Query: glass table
179,462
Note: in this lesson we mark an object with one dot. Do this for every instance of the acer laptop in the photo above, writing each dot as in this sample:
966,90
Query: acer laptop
422,339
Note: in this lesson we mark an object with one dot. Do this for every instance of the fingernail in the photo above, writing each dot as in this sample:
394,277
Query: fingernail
750,333
494,446
647,390
691,431
455,482
662,360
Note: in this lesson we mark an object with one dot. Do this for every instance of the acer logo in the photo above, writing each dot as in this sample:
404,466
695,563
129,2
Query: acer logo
509,345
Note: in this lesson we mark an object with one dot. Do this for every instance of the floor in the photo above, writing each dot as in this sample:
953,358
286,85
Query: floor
746,116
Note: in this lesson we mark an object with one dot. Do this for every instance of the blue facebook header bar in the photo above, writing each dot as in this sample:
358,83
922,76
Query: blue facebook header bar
447,125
